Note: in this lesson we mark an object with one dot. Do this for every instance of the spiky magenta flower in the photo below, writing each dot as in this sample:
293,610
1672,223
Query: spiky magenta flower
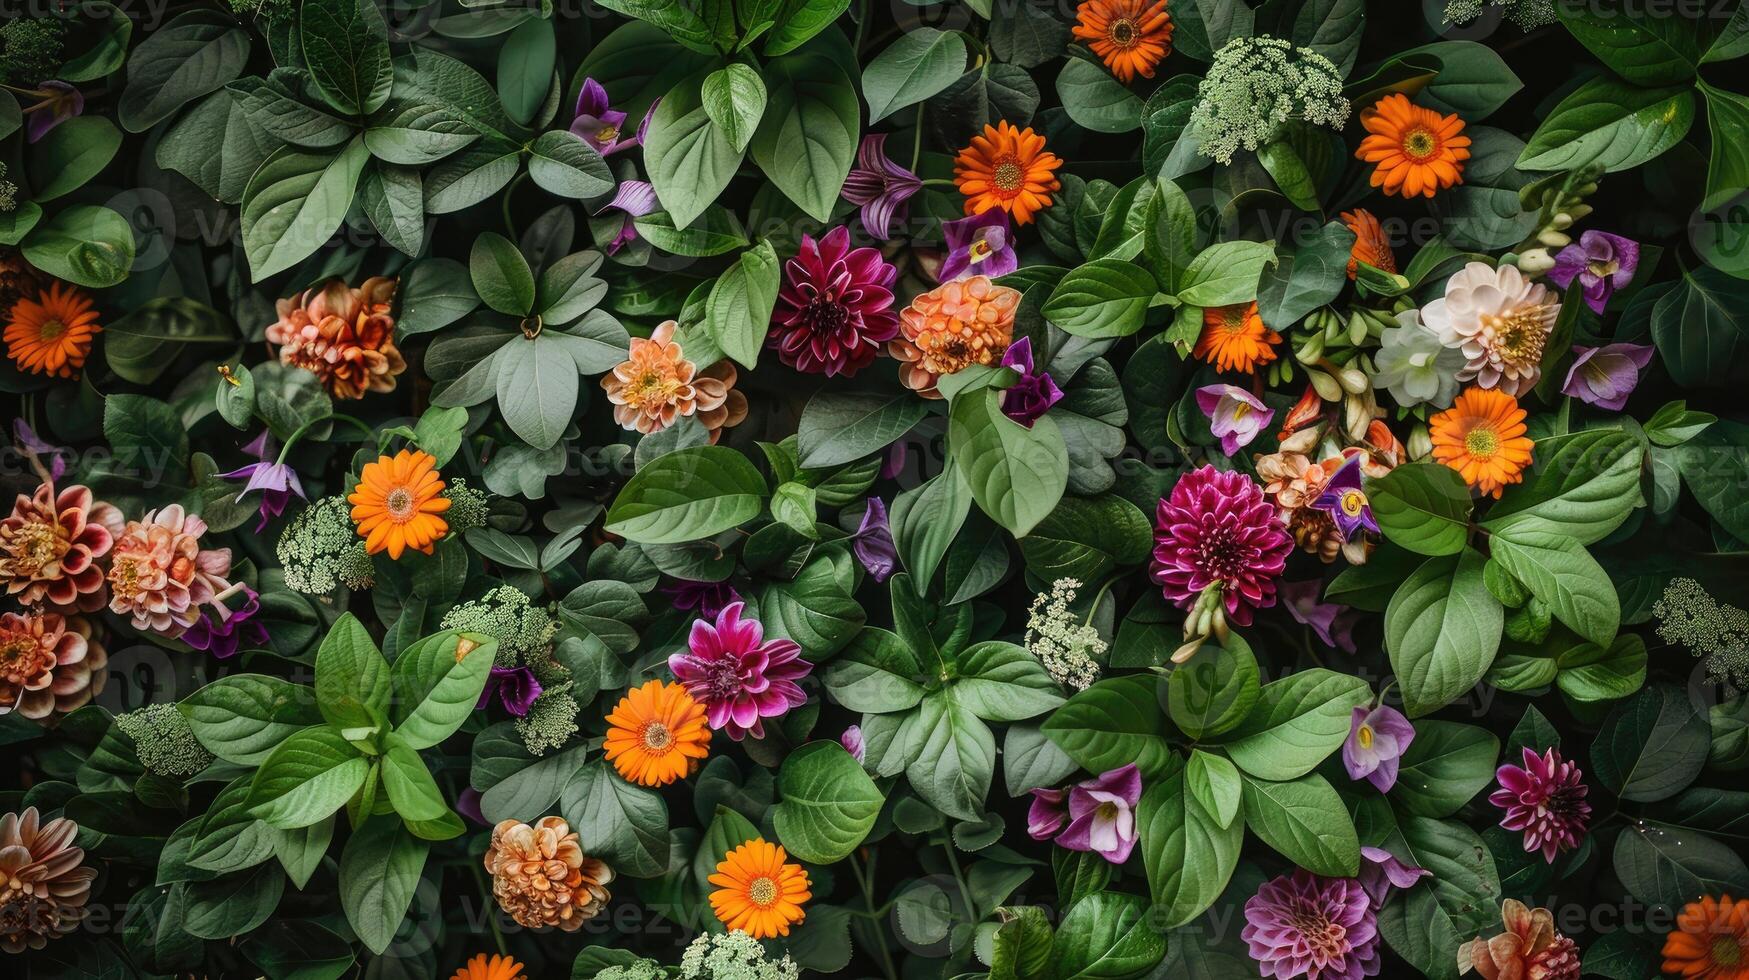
1318,928
1545,800
1217,528
835,310
739,676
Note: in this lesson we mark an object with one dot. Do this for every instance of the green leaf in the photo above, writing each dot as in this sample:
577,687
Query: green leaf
84,244
623,824
345,43
352,677
1103,298
71,154
1225,273
1016,474
1607,124
1304,821
1000,681
841,427
501,275
1106,935
827,805
799,21
1442,629
718,233
1189,854
1087,538
734,99
1306,278
525,69
537,388
1425,507
411,789
877,672
919,64
956,755
1582,486
1646,50
379,872
1458,901
686,495
927,518
1216,784
1298,722
739,308
308,777
813,609
1701,328
1095,100
295,202
807,140
562,163
1668,866
394,200
1652,746
232,905
691,158
416,134
437,683
229,839
243,717
1116,721
1592,673
196,53
1215,690
1558,570
1445,766
1728,166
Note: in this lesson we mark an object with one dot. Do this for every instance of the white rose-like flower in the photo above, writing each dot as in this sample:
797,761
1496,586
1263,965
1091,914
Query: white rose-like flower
1414,366
1499,320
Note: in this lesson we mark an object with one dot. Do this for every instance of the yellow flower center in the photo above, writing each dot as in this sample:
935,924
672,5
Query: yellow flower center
1106,811
34,547
607,133
1482,443
1008,176
657,737
52,329
1519,335
762,892
400,504
18,656
1603,268
1233,320
980,251
1419,144
1241,410
124,577
1352,503
1364,736
1726,951
1123,33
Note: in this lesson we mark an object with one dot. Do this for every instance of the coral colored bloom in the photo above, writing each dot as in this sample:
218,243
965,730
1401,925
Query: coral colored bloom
541,876
44,882
397,502
344,336
1102,814
1499,320
49,664
160,576
1130,36
873,544
1235,339
1295,483
1216,529
222,631
1235,415
1605,376
1007,168
758,892
739,676
52,333
835,308
49,546
1602,262
1377,739
1415,151
879,187
982,244
1710,941
1319,928
1346,503
1546,800
482,967
656,386
1482,436
1032,395
1529,949
1370,242
950,328
656,734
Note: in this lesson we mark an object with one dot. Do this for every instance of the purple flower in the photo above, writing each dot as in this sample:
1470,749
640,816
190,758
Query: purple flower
516,688
1235,415
1217,530
634,199
1380,871
60,102
1330,621
1545,800
222,631
276,481
880,187
979,245
873,542
35,445
853,743
1048,813
1319,928
1376,740
1102,814
1033,395
1605,376
708,598
1603,263
467,803
1346,502
600,125
739,676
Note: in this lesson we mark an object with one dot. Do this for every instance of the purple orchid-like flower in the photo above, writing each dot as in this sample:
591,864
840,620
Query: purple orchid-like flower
1048,813
1034,393
1377,739
1102,814
59,102
602,126
52,457
873,542
222,631
1332,622
516,688
1346,503
1605,376
1235,415
853,743
880,187
706,598
1380,871
1602,262
634,199
981,245
276,481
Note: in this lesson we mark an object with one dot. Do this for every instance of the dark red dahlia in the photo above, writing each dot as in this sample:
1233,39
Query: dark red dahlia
1217,528
1545,800
834,312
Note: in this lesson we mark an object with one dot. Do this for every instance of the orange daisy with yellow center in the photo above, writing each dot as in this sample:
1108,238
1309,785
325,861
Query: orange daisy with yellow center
52,333
757,892
1482,437
1370,242
656,734
1235,339
1130,36
396,504
482,967
1007,168
1711,940
1415,151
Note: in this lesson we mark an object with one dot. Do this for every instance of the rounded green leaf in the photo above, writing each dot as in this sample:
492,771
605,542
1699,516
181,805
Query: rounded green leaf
827,803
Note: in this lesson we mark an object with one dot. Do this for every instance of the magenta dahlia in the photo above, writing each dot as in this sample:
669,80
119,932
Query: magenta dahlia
1218,529
738,675
1307,926
834,312
1545,800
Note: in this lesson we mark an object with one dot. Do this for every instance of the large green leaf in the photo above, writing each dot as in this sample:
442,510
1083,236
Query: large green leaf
956,755
1106,935
1444,767
1610,125
379,872
346,46
1644,48
1558,570
1188,854
295,203
1442,629
1424,507
686,495
1016,474
309,776
1116,721
196,53
243,718
623,824
691,159
807,140
916,66
839,427
1304,820
437,682
1652,746
827,804
1582,486
1297,723
1000,681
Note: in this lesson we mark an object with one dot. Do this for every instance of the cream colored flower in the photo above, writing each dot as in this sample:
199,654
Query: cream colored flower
1500,320
159,576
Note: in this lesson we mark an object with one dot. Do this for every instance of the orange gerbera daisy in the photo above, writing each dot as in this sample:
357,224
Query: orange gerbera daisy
757,892
397,502
1711,940
1130,36
52,334
1235,339
656,734
1415,150
1007,168
494,968
1482,437
1370,244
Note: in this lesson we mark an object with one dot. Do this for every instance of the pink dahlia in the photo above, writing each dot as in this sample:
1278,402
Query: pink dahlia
160,576
1216,529
739,676
1307,926
1546,800
834,312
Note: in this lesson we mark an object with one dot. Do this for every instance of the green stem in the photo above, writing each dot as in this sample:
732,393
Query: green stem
292,440
865,882
492,917
917,141
959,878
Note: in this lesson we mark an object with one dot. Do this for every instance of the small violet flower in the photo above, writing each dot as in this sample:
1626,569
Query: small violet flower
276,481
52,457
1603,263
60,102
880,187
1048,813
1377,738
1102,814
222,631
1605,376
707,598
1332,622
873,542
1034,394
853,743
1235,415
1346,502
634,199
602,126
981,245
1380,871
516,688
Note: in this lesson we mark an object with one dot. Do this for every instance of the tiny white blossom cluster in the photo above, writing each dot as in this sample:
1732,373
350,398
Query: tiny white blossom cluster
1527,14
1717,632
1068,648
1255,85
733,956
